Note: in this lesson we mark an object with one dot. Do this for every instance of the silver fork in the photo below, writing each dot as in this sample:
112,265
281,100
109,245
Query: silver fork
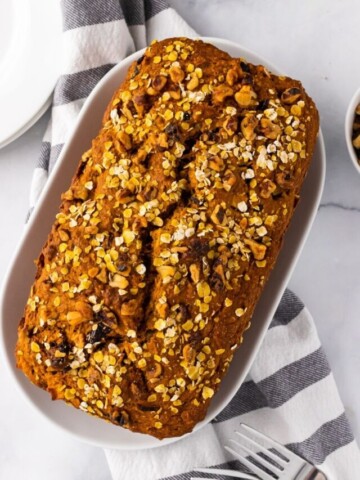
272,460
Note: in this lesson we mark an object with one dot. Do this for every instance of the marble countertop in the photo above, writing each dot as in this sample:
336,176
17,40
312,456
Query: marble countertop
316,42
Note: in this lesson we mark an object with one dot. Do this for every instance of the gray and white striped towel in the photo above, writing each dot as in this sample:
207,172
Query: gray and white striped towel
290,393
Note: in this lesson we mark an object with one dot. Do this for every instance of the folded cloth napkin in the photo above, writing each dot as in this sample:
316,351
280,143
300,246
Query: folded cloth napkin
290,393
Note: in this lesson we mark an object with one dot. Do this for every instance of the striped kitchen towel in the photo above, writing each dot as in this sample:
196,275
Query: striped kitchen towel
98,34
290,393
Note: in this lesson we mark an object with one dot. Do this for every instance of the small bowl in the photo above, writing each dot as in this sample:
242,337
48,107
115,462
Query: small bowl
349,120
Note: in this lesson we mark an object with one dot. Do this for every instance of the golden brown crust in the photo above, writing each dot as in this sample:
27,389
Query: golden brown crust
166,237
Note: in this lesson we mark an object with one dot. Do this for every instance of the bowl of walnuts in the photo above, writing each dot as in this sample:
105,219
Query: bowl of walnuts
352,129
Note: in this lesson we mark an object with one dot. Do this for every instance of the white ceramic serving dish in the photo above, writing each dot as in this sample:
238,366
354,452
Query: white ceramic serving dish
30,49
349,120
21,273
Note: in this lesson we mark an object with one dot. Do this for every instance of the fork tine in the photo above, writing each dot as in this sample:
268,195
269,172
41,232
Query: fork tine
263,475
259,448
255,435
229,473
222,474
253,452
226,475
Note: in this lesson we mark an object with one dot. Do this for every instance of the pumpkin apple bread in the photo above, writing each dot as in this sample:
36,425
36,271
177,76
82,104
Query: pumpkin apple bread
166,237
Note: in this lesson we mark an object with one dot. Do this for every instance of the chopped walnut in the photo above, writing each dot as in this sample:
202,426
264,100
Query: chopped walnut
221,92
291,95
232,77
245,96
269,129
229,180
258,249
176,74
159,82
267,188
356,132
125,139
284,180
189,354
248,125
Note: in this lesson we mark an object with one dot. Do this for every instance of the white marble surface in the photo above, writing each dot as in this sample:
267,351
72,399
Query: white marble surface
316,42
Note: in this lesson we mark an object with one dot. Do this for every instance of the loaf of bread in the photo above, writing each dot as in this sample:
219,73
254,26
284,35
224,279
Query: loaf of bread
166,237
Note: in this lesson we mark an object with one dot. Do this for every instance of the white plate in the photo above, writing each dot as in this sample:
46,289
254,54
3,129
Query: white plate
21,273
30,48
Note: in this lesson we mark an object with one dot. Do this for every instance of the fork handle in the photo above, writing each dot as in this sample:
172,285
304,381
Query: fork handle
311,474
316,475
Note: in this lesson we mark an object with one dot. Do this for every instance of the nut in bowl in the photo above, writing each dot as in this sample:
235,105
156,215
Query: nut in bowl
352,129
